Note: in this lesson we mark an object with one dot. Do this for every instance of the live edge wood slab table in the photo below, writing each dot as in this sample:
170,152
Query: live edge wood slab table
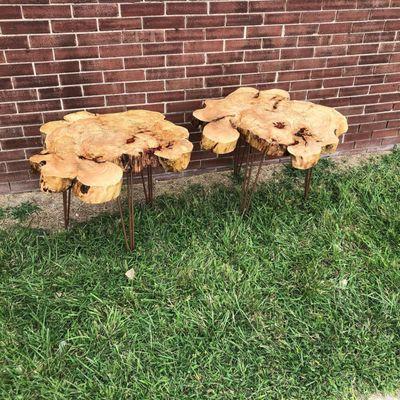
269,122
87,154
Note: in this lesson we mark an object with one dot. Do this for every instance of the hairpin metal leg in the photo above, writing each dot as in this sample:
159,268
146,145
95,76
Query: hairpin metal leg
238,157
66,206
248,187
150,184
149,188
307,183
129,241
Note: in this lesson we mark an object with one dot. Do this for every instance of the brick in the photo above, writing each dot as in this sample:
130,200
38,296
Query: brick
10,12
60,92
309,63
261,55
124,99
14,176
352,15
293,75
81,78
205,21
39,41
178,84
339,4
38,106
165,96
362,48
121,50
243,44
144,62
12,155
282,18
279,42
318,16
374,59
115,24
111,88
379,37
389,13
148,36
17,165
56,67
74,25
21,143
305,29
185,34
5,188
252,79
367,26
15,69
35,81
183,106
82,103
263,31
265,6
304,52
224,33
24,27
139,10
76,53
338,27
353,91
18,95
244,19
147,86
123,76
225,7
185,59
373,4
162,48
13,42
186,8
163,22
7,108
165,73
342,61
338,82
46,12
99,38
327,51
223,81
102,65
28,186
202,94
392,25
203,46
216,58
29,55
300,5
204,70
95,10
5,83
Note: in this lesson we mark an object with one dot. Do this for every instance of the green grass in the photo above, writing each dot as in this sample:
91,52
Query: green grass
21,212
295,301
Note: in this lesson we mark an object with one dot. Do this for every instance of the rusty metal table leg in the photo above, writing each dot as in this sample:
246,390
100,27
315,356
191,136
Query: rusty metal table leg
149,187
66,206
129,235
307,183
249,187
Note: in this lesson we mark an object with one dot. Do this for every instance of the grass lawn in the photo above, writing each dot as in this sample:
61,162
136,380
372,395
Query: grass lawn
295,301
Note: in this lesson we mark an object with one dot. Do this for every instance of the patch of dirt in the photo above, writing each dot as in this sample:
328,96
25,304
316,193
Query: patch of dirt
50,214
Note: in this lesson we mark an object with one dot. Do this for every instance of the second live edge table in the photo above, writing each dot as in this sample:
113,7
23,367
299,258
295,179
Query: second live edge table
268,122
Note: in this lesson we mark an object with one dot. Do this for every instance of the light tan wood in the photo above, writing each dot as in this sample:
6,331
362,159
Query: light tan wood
90,152
272,123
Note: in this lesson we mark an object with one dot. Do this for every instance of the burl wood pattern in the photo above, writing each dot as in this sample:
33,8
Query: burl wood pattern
90,152
273,124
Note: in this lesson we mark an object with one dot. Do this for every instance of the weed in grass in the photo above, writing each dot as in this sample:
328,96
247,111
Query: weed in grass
20,212
296,301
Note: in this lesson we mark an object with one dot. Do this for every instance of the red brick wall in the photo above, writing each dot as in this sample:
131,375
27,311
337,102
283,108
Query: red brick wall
167,56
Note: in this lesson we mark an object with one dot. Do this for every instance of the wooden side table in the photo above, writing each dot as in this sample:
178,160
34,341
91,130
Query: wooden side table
88,155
